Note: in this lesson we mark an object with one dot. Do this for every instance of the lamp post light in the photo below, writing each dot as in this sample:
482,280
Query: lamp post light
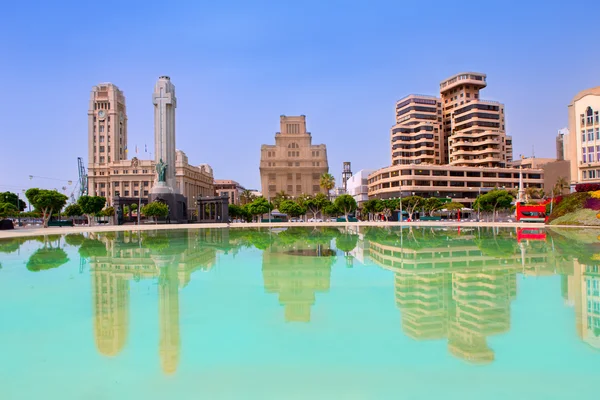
478,206
269,207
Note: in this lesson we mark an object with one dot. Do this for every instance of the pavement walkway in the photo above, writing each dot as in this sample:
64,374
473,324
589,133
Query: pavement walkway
19,232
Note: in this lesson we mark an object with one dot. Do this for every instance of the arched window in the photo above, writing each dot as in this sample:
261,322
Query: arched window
293,146
589,116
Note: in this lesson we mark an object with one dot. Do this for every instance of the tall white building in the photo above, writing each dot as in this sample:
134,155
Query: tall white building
165,103
357,185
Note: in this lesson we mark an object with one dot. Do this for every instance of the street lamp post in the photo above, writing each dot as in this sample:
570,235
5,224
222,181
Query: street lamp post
478,206
269,207
18,210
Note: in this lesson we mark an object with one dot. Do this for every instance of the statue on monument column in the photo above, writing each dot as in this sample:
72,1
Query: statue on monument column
161,170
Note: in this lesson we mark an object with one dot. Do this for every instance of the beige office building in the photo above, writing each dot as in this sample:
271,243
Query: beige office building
232,189
111,173
462,184
293,165
584,137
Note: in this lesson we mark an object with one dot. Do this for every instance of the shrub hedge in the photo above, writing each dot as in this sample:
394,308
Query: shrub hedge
568,204
587,187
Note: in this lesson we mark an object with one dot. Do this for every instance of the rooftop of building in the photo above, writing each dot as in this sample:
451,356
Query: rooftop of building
595,91
473,78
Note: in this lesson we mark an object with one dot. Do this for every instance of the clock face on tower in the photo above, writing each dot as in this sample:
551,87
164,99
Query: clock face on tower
101,114
121,116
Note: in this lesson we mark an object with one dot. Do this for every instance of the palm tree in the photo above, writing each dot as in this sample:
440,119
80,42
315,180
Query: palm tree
279,197
246,197
560,185
327,182
533,193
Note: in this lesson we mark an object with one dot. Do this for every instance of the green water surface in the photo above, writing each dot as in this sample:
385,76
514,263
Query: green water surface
301,313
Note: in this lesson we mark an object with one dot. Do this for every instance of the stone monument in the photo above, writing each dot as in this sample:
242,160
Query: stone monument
165,185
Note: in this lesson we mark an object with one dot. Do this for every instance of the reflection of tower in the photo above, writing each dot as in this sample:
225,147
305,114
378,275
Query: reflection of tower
451,287
111,310
296,278
168,306
482,309
346,174
424,301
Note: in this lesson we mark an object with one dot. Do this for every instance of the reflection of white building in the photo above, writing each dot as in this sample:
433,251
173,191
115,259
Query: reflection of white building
357,186
362,246
584,292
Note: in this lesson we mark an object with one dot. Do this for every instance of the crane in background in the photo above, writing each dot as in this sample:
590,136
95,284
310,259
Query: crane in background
83,178
82,183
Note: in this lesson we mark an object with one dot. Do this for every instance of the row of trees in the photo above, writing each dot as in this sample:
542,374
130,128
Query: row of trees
303,205
50,202
409,204
327,182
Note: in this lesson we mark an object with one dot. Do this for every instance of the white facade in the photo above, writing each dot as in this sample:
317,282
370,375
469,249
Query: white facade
357,185
584,137
165,102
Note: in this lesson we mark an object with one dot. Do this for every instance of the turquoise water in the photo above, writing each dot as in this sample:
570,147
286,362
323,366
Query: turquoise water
328,313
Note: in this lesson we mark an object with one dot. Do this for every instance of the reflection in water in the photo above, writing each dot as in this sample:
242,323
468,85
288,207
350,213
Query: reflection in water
453,285
297,266
170,257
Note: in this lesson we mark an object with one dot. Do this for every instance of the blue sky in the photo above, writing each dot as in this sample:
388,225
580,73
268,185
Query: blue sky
238,65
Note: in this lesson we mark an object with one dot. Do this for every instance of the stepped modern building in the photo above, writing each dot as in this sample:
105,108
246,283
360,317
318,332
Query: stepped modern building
111,173
452,146
417,135
458,128
473,128
293,165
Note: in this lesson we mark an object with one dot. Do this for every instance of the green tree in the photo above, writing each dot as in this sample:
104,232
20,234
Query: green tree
279,197
292,208
46,202
372,207
91,206
453,206
235,211
316,204
411,203
246,197
7,210
493,201
11,198
386,207
534,193
331,210
327,182
560,186
109,211
432,204
73,210
259,206
155,209
346,204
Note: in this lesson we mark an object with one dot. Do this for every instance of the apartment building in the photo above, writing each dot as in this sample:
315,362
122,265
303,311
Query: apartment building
417,135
